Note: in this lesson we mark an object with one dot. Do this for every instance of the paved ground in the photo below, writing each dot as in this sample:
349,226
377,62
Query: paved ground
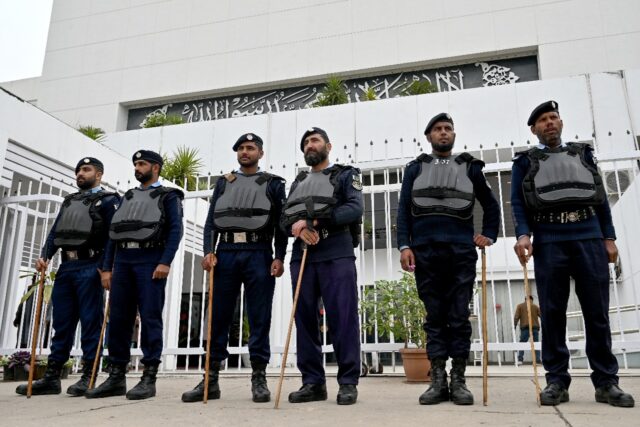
383,401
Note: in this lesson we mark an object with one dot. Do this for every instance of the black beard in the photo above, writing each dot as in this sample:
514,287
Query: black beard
313,158
250,163
441,148
142,178
545,141
87,184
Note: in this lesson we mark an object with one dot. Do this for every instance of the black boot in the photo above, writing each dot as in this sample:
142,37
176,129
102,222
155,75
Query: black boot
80,387
439,389
146,387
348,394
49,384
259,390
460,394
197,394
309,393
614,396
554,394
114,385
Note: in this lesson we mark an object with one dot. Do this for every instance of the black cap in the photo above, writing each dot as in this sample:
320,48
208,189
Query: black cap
148,155
545,107
251,137
311,131
90,161
442,117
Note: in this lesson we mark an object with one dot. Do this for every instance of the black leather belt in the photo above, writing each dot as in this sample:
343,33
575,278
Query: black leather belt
326,232
245,237
80,254
140,245
565,217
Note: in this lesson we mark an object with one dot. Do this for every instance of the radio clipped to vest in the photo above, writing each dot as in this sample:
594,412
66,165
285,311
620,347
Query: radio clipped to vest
80,223
141,215
443,187
561,179
244,203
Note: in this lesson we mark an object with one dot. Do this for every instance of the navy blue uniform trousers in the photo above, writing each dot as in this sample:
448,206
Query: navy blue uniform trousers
587,262
445,273
133,290
77,295
251,267
336,282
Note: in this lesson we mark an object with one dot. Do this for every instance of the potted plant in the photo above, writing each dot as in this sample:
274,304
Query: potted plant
42,363
394,307
66,369
17,368
18,365
4,361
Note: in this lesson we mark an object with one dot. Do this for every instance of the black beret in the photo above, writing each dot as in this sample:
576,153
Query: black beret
311,131
90,161
545,107
442,117
148,155
251,137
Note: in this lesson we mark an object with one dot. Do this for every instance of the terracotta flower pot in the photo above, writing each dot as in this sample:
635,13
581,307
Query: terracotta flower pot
417,366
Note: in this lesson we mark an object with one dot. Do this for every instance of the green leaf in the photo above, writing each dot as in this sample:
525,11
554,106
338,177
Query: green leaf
419,87
48,290
28,294
334,93
92,132
184,164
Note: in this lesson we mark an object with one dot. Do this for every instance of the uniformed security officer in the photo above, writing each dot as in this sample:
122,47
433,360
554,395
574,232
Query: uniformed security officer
324,210
144,236
81,232
436,238
244,217
557,195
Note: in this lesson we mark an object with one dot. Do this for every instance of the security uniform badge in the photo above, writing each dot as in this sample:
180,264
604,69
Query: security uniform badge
357,184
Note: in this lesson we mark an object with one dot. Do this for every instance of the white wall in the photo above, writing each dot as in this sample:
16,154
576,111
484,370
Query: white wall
103,54
483,117
27,89
38,131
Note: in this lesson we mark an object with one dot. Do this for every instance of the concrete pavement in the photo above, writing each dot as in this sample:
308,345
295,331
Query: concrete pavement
383,401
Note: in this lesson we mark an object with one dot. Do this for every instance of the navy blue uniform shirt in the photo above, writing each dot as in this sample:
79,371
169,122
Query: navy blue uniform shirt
420,230
171,235
596,227
106,209
348,210
277,195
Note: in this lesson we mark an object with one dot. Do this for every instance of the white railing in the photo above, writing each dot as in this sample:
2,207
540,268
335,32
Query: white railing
26,215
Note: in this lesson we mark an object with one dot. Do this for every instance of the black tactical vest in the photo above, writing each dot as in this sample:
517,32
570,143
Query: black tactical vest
561,179
245,204
443,187
315,197
80,223
141,215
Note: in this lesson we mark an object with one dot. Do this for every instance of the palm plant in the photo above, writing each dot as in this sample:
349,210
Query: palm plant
369,95
333,93
185,164
161,119
419,87
92,132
